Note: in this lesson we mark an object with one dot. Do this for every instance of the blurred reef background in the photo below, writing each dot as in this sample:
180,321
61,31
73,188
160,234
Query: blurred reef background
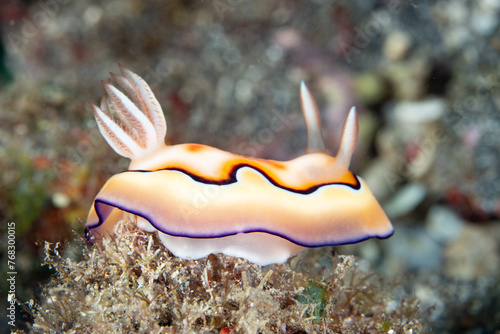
424,76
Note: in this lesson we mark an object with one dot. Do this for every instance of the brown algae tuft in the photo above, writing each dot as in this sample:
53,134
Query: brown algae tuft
129,282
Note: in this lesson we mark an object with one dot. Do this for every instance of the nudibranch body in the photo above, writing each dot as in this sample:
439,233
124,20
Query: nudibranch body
203,200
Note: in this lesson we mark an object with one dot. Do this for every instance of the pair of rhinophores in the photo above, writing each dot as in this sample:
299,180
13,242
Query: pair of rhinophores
203,200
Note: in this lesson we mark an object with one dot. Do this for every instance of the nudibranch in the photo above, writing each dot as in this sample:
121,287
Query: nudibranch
202,200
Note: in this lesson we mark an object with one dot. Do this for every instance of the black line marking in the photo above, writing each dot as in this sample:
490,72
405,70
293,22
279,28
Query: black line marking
232,179
227,233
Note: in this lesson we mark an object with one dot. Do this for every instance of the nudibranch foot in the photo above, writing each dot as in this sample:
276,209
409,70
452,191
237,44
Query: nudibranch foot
202,200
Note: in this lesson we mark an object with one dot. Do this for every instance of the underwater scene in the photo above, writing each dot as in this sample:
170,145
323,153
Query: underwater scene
233,167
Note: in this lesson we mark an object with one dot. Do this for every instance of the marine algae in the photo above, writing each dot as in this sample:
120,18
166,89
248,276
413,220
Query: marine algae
129,283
